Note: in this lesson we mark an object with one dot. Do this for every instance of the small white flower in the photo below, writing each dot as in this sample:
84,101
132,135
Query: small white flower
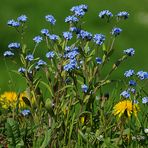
146,130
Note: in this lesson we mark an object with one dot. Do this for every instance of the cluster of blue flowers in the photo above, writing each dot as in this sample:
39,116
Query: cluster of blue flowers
105,13
37,39
13,23
79,10
49,18
75,30
45,32
122,15
129,73
8,54
108,14
50,54
141,74
99,39
11,46
67,35
85,35
20,19
25,112
71,54
40,63
53,37
29,57
22,70
145,100
98,60
116,31
129,52
84,88
132,83
71,19
71,65
125,94
14,46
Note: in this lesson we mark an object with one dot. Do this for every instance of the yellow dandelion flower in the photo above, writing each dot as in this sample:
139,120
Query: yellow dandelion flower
125,107
10,99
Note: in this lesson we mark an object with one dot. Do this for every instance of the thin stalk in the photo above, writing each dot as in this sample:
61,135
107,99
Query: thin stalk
7,68
34,48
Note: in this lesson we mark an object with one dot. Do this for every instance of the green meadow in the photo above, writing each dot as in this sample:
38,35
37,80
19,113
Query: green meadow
78,83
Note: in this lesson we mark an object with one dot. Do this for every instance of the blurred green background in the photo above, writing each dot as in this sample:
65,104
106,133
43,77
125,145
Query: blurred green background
135,29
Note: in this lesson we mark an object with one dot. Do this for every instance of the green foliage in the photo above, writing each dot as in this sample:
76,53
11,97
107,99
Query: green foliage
13,134
67,102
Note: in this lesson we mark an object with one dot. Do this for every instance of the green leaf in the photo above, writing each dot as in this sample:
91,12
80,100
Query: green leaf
89,59
36,82
46,139
82,135
65,87
92,53
48,87
126,131
104,58
71,126
86,48
48,106
86,98
24,48
22,58
13,133
104,47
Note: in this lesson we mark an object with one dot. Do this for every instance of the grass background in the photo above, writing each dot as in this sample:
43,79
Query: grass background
135,30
